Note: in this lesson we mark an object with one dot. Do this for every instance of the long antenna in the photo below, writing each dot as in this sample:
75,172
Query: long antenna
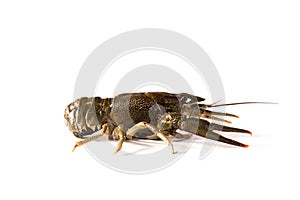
231,104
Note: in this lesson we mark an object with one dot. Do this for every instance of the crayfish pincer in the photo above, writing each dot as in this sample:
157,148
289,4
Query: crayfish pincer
150,115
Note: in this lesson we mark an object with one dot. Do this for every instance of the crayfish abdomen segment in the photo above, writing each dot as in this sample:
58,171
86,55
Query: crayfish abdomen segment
85,116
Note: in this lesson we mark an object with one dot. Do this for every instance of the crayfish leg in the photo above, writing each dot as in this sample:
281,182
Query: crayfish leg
121,135
156,133
194,112
212,115
89,139
76,145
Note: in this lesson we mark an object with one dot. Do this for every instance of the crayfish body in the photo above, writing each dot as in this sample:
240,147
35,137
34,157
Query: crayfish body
150,115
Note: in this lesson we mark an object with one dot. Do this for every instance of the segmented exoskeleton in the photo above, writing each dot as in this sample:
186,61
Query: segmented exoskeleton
151,115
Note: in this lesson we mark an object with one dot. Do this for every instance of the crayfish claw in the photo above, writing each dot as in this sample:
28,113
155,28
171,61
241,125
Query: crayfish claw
217,137
218,127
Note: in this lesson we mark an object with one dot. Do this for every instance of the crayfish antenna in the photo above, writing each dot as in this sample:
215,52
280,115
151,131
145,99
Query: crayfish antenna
238,103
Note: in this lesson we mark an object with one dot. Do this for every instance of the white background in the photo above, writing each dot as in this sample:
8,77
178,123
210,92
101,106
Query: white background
255,46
